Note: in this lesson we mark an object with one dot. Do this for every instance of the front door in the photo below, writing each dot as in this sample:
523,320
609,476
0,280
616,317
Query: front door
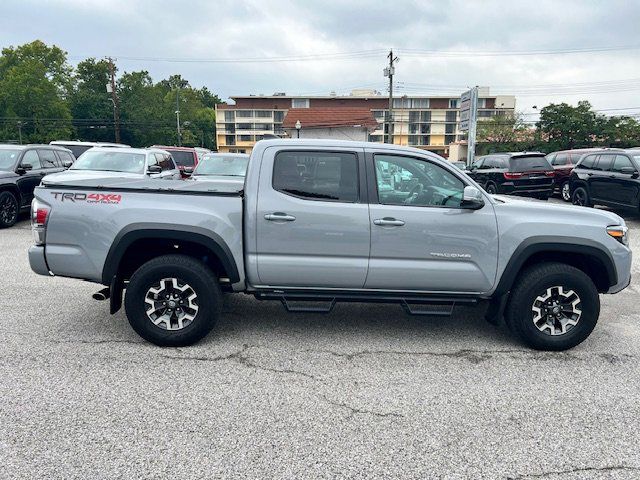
312,219
421,240
600,179
31,178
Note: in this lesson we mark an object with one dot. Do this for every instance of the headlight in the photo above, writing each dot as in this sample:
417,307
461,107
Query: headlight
620,233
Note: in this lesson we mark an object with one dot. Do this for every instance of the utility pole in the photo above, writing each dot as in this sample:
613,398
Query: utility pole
178,115
114,99
389,72
20,131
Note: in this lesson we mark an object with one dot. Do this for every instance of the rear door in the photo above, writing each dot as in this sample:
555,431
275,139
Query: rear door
312,218
29,180
422,240
601,179
624,187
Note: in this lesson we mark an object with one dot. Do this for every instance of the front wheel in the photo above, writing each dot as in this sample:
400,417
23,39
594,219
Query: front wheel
553,306
491,189
8,209
565,192
173,300
581,197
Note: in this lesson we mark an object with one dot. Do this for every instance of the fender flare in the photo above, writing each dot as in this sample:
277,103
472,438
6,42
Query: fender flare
533,245
138,231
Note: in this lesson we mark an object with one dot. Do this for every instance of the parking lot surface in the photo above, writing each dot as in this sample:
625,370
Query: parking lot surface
364,392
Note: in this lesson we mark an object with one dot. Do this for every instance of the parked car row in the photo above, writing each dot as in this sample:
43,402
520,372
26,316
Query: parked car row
22,167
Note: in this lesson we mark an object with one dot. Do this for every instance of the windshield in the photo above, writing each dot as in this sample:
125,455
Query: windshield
183,158
111,161
8,159
525,164
228,165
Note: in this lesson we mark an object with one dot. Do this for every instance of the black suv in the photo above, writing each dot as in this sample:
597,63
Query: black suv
523,173
21,170
607,177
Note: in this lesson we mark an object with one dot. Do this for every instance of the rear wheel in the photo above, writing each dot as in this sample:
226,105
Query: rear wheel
553,306
565,192
491,189
8,209
173,300
581,197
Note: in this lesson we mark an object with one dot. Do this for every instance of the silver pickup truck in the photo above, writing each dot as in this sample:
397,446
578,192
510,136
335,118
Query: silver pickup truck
318,222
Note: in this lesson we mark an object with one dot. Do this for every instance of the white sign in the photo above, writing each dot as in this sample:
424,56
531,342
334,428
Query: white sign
466,102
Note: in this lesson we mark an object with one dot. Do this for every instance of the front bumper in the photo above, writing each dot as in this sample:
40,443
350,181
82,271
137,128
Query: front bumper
37,260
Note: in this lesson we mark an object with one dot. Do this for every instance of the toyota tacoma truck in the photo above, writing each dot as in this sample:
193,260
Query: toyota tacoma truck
318,222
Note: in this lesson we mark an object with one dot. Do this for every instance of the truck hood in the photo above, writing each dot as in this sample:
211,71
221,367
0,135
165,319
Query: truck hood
7,174
78,175
541,208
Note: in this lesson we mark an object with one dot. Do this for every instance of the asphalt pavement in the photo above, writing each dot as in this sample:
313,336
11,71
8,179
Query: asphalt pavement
364,392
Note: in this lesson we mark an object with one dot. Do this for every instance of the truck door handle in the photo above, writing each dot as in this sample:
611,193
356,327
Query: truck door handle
388,222
279,217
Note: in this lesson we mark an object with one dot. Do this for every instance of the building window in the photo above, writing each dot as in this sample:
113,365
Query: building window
375,138
278,117
449,139
230,127
231,139
425,116
450,116
229,116
420,103
379,115
263,126
402,102
244,113
263,113
299,103
245,126
454,103
485,113
245,138
482,103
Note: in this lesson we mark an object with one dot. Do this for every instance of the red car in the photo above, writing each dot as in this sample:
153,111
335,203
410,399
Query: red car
563,163
186,158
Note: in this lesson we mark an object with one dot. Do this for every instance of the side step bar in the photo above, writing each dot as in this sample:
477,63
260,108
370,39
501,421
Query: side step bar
439,306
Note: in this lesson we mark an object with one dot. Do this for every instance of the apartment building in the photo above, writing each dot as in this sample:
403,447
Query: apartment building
427,122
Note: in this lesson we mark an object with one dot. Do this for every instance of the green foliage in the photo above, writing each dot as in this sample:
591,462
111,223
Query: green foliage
52,101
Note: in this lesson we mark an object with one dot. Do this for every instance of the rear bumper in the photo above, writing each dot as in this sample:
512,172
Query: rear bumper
37,260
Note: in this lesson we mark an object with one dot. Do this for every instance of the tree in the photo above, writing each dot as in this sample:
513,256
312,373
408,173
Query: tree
90,104
620,132
567,127
34,81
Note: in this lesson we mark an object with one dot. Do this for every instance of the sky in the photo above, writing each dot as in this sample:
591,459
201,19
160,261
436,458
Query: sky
236,47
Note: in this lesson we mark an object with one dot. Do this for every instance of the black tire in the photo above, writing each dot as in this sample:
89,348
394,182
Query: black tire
187,271
491,188
537,281
580,197
9,209
543,197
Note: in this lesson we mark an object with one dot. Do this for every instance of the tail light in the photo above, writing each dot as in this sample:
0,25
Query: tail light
39,218
512,175
550,173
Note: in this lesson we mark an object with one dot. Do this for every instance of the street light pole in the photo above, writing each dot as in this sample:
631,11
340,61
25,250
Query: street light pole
389,72
298,127
178,115
20,132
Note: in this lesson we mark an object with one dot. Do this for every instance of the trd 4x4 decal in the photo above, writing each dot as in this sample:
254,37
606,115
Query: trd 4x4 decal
108,198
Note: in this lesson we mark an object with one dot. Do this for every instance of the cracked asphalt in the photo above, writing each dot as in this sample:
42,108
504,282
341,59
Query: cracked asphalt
364,392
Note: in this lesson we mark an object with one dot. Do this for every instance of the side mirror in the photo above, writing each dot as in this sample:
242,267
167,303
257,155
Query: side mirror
24,168
187,171
154,169
472,198
629,171
67,163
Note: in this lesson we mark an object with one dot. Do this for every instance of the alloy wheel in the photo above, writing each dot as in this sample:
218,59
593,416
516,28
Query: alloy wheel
566,192
556,311
8,210
579,198
171,304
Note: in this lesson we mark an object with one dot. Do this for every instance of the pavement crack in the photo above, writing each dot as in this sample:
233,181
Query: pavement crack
359,411
576,470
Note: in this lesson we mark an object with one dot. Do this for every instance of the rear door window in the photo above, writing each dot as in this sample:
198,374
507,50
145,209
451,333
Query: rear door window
64,157
529,163
604,163
329,176
560,159
48,159
588,161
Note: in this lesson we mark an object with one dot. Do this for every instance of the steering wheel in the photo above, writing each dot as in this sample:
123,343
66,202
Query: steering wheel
414,193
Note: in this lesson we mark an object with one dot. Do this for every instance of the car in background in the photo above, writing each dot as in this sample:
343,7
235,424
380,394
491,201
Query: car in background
121,162
78,148
563,162
226,167
22,167
185,157
201,152
460,164
607,177
515,173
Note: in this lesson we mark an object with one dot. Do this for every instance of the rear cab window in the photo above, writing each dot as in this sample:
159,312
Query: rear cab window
529,163
323,176
183,158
